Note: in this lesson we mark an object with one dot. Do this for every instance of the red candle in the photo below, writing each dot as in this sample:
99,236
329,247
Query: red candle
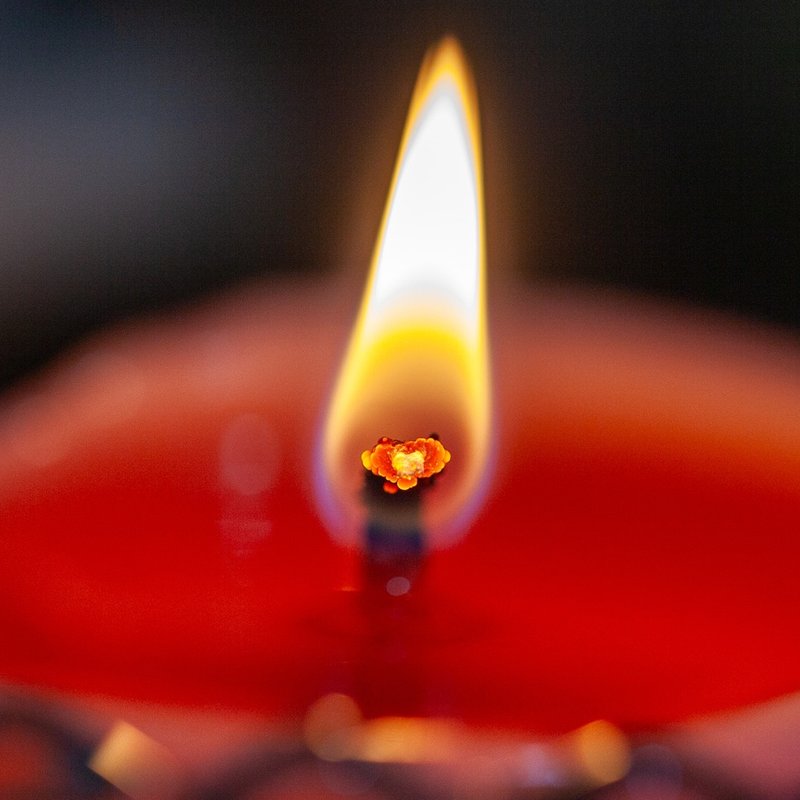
632,556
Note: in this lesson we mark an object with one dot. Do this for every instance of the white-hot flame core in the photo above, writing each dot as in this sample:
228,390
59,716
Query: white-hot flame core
431,245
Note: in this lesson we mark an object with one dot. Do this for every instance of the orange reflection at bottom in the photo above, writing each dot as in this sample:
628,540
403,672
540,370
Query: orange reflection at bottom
138,765
594,755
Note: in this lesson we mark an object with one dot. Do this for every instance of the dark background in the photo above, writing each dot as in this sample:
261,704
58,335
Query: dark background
152,153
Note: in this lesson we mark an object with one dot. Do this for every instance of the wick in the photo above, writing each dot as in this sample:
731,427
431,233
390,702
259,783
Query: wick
395,541
403,464
394,553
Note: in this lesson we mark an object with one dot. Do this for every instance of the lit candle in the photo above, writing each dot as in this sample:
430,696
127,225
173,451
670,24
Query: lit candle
631,558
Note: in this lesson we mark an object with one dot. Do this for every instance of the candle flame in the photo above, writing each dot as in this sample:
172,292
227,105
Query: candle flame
417,360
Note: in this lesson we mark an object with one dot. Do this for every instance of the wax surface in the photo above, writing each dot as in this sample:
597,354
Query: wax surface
635,559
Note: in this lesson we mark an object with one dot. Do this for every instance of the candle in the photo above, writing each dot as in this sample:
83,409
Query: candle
631,557
633,560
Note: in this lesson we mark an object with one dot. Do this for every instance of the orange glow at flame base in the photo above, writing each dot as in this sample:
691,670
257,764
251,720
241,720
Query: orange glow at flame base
403,464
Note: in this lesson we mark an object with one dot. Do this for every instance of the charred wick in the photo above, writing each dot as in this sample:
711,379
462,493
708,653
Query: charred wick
404,464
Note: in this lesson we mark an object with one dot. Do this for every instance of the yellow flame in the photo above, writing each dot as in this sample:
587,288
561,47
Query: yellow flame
417,361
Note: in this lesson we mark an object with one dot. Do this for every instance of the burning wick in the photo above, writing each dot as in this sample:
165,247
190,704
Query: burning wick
402,464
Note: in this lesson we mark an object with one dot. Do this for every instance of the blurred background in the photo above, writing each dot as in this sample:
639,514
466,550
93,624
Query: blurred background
152,153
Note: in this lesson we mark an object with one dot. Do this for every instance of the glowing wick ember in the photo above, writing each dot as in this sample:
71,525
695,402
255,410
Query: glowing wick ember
402,464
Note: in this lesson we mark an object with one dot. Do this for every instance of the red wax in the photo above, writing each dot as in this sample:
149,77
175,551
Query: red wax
635,559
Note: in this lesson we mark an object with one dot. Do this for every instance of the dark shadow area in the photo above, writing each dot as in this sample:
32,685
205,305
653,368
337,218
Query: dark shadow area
153,153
